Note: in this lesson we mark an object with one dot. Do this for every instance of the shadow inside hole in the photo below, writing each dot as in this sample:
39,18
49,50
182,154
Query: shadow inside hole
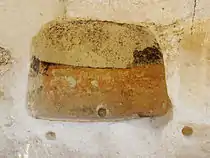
102,112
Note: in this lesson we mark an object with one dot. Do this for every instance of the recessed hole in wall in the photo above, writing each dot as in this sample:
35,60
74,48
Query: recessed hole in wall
50,135
187,131
85,63
102,112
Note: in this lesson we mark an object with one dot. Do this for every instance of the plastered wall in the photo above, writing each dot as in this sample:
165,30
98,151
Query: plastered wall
182,29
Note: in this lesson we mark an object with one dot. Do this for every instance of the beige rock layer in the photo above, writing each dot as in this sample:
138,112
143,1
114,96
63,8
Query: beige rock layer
92,43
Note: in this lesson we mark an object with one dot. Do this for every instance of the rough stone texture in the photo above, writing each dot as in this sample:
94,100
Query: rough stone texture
125,60
65,92
187,80
92,43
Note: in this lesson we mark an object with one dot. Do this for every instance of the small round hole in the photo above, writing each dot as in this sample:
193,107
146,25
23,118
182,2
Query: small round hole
102,112
187,131
50,135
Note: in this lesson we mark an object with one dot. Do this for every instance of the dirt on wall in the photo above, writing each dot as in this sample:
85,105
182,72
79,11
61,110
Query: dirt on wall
96,43
86,67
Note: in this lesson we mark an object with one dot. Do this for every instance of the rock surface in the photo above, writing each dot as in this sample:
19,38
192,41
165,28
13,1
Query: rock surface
181,28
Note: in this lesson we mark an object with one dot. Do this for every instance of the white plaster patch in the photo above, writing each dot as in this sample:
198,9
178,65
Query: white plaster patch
72,81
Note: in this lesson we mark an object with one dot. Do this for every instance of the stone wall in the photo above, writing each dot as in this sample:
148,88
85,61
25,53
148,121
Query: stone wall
182,29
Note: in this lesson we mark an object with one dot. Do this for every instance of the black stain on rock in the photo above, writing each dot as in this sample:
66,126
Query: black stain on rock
150,55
